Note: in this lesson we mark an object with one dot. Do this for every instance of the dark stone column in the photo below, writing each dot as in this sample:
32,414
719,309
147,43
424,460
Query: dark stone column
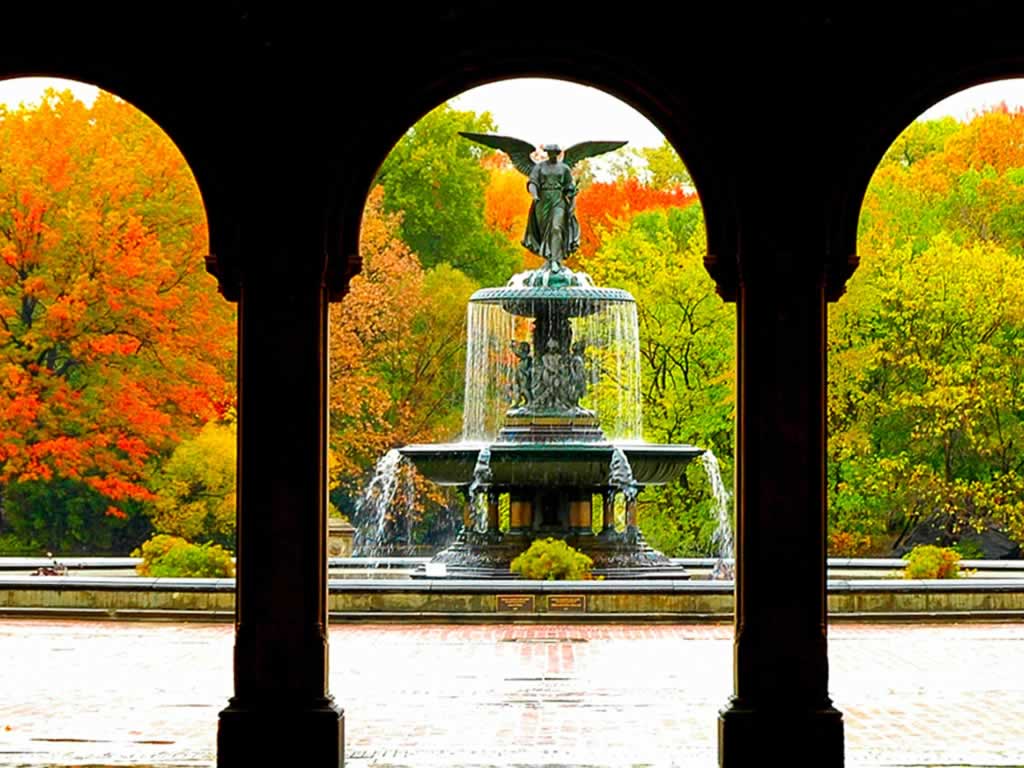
493,512
608,512
780,712
282,708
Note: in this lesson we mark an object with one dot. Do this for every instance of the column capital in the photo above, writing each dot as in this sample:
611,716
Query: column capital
725,272
837,274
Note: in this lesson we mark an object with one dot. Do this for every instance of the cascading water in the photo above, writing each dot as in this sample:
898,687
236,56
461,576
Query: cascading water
381,512
721,540
611,344
490,363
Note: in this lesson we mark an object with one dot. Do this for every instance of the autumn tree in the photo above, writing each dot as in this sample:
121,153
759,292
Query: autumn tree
600,205
195,487
687,359
925,348
113,343
397,359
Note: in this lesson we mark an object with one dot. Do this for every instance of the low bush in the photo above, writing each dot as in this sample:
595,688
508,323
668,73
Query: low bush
931,562
847,544
552,559
165,555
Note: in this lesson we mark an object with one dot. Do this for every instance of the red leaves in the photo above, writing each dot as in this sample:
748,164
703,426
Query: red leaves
600,204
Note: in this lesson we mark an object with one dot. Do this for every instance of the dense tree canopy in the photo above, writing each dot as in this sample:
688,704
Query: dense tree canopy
117,356
925,349
435,179
113,343
397,361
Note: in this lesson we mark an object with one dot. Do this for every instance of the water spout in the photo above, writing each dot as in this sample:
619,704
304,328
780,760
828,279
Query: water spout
382,510
482,477
620,475
721,540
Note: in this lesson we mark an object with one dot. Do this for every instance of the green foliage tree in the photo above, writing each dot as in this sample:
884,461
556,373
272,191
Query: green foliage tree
68,516
665,169
925,349
434,178
195,487
687,358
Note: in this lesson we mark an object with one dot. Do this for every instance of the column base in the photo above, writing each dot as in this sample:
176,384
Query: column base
311,736
769,736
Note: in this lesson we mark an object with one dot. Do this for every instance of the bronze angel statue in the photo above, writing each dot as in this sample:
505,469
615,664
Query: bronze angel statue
552,230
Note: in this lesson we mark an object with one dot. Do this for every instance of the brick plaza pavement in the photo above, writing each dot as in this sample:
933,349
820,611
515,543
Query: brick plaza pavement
110,693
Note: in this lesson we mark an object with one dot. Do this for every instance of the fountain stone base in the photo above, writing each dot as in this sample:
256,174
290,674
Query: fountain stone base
616,555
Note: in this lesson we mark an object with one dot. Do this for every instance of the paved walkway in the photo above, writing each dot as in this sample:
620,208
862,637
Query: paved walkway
74,693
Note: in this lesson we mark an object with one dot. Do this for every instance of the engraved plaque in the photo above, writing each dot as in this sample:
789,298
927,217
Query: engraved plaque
516,604
567,603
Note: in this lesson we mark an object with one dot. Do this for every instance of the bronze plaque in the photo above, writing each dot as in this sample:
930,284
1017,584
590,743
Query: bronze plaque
516,604
567,603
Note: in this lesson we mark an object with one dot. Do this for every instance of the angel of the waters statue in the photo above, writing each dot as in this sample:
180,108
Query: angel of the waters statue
552,230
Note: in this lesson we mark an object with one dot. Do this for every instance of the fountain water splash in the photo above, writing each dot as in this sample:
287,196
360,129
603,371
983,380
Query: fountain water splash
383,506
721,540
477,492
620,475
608,343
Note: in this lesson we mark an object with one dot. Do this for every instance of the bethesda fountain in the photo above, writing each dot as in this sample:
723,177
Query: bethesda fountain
552,420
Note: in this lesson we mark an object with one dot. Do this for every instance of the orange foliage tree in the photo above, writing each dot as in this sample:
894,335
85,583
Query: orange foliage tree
113,343
507,203
601,204
397,356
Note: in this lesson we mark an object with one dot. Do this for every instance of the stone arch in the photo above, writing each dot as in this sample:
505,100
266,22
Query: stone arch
191,143
661,106
898,107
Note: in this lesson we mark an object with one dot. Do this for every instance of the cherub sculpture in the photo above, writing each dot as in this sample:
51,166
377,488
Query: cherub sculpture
552,230
522,384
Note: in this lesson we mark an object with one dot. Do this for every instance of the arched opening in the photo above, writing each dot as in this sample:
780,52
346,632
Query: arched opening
923,401
923,354
447,217
399,337
118,360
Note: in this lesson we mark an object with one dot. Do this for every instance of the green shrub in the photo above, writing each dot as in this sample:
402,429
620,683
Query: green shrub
931,562
552,559
165,555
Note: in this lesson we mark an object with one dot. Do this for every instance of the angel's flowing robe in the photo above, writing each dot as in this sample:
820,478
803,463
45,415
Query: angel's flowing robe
552,230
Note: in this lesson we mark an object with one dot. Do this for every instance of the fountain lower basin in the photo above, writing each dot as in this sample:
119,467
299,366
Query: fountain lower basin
550,464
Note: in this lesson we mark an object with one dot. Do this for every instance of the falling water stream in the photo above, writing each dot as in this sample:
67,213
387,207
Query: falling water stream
477,492
383,505
610,338
721,540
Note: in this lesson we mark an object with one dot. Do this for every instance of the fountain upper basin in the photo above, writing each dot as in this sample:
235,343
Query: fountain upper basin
550,464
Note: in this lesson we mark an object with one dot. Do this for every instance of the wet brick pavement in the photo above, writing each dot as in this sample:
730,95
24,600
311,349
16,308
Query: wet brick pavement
109,693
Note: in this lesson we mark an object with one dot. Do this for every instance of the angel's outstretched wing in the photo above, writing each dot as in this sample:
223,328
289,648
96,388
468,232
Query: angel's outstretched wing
586,149
517,149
